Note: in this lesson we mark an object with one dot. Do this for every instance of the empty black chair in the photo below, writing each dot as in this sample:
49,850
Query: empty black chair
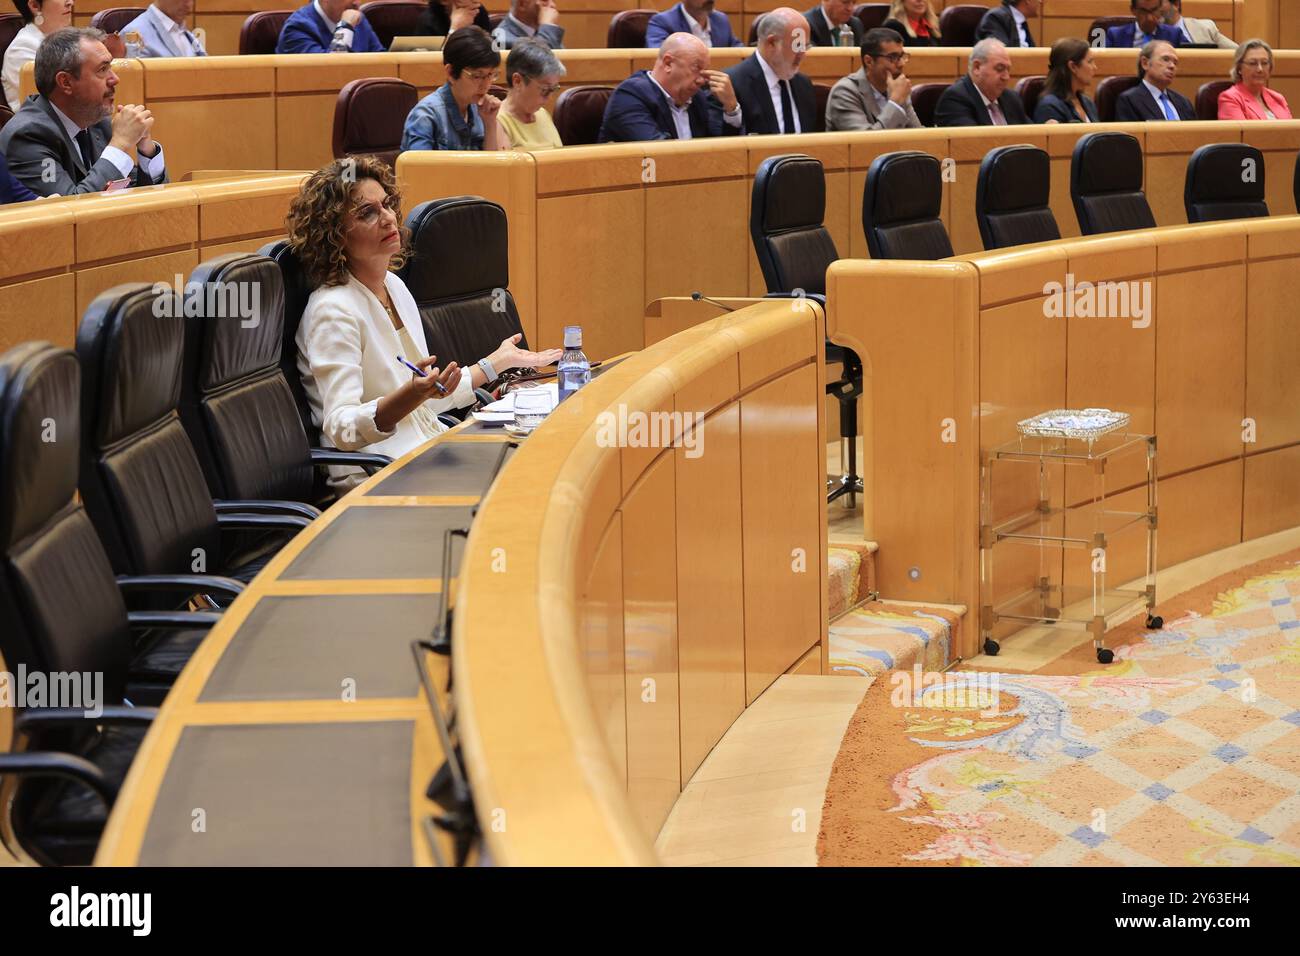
236,405
1011,197
140,478
61,610
579,111
957,24
794,250
1225,181
1106,184
459,275
901,205
925,99
1109,91
1207,99
1030,89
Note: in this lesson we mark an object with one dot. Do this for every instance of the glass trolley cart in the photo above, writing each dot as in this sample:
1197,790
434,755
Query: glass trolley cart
1086,443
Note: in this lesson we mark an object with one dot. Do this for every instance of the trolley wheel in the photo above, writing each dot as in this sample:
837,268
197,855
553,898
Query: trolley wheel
1051,614
991,647
1105,655
1155,622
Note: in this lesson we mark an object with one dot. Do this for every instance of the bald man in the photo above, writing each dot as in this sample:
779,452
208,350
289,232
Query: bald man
679,98
774,96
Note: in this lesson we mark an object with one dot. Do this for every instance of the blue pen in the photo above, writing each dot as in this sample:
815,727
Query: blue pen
422,374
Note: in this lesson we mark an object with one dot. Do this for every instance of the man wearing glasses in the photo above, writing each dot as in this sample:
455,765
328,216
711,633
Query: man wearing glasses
878,96
462,114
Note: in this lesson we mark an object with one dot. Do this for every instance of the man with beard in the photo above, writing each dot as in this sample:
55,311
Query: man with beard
70,138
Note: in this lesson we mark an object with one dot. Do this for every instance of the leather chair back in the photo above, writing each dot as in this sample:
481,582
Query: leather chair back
1225,181
235,403
787,209
114,18
1106,184
6,114
1030,89
369,116
1207,99
1097,29
392,18
627,29
925,97
459,276
297,290
1011,197
900,208
60,607
958,23
579,111
1108,94
822,92
139,476
10,24
261,32
871,15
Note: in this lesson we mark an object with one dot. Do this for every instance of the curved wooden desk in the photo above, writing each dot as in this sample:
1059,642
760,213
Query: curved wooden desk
573,756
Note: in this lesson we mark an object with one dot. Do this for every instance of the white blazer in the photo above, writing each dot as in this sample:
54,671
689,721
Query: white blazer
347,357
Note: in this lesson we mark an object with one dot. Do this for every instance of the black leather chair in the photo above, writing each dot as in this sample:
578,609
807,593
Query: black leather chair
958,23
1011,197
236,405
114,19
393,18
579,111
1106,184
925,98
1030,89
1225,181
1109,91
6,114
1295,186
871,15
261,32
901,205
140,478
822,94
62,610
459,276
369,116
627,29
1207,99
787,210
10,24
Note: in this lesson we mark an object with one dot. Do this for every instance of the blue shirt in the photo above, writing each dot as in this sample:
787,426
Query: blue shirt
307,32
436,123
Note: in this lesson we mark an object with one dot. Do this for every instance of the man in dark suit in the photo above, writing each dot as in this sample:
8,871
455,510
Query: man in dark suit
982,97
670,101
696,17
774,96
1153,98
328,26
70,138
825,20
1148,25
1009,23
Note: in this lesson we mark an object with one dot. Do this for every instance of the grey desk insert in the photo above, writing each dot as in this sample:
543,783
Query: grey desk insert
402,541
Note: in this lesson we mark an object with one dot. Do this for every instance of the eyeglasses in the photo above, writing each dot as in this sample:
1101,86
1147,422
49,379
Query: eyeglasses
1257,64
548,89
895,57
478,76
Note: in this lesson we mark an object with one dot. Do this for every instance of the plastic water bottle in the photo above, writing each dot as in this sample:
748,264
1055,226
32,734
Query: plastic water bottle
846,35
342,41
574,369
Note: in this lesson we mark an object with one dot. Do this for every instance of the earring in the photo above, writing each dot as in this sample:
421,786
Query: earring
40,18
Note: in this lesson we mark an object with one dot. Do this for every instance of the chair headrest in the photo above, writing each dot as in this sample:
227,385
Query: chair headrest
1106,163
904,187
459,247
370,113
1014,177
1226,172
234,317
790,193
40,428
130,344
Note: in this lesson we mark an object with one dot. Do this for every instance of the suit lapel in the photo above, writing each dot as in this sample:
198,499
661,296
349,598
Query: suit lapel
981,111
70,148
758,90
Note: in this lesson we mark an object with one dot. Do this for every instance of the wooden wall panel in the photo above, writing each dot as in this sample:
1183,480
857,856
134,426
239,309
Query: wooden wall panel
650,640
92,281
680,258
780,496
1200,512
1272,353
39,310
710,608
1272,493
601,616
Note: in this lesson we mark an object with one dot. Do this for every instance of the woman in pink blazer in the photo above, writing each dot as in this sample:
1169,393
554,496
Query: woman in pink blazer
1251,98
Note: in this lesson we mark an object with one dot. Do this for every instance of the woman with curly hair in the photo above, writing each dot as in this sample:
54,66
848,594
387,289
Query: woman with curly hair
361,323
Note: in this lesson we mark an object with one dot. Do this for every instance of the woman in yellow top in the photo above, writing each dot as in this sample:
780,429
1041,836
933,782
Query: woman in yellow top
533,72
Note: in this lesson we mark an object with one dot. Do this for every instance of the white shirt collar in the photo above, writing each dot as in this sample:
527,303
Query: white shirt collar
166,22
69,127
320,12
524,28
671,104
1020,18
768,73
987,101
701,32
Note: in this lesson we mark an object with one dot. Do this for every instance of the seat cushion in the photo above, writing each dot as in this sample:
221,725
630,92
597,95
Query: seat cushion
164,655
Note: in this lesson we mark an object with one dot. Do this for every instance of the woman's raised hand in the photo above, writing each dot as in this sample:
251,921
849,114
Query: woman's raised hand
510,355
438,383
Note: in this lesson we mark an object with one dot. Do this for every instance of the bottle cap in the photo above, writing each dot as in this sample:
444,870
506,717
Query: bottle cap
573,336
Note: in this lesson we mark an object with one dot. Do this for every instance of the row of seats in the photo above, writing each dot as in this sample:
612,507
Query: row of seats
182,425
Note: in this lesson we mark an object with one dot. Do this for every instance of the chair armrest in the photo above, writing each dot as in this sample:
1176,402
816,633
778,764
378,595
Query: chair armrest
266,506
451,421
368,462
247,522
172,620
818,297
484,396
46,763
180,583
39,717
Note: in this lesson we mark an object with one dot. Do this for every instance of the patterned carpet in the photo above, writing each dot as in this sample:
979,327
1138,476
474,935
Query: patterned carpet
1184,751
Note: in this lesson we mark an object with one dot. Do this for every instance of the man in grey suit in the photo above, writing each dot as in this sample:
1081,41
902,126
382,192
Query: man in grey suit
70,138
161,31
1194,30
530,18
878,96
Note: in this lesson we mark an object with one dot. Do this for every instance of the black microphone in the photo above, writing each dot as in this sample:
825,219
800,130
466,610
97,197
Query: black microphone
701,297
